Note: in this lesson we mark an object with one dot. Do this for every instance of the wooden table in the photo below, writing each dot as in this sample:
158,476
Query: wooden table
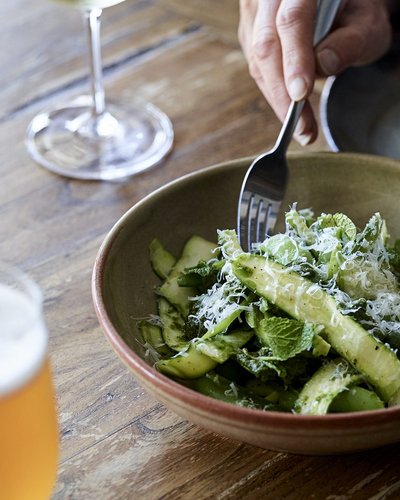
116,441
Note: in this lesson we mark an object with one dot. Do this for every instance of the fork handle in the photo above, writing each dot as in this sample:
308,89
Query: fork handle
326,12
286,133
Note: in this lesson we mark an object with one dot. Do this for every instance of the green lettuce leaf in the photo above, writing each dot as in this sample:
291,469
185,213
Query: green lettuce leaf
346,229
284,249
286,337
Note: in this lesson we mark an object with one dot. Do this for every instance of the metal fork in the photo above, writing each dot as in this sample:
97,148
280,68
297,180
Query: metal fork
265,181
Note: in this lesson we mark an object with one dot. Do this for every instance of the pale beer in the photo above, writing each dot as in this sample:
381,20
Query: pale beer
28,422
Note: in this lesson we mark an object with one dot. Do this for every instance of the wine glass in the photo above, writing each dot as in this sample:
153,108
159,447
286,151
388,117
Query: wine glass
91,138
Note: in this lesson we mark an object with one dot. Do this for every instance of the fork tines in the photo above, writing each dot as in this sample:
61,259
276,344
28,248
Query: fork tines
258,215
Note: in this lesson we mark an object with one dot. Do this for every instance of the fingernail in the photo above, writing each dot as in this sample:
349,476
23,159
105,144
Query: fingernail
303,139
302,133
297,89
328,61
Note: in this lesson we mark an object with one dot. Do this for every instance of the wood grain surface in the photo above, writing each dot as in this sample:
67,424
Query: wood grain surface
116,441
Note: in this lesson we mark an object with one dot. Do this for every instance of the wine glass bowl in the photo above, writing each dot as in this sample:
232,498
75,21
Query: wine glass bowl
91,138
127,139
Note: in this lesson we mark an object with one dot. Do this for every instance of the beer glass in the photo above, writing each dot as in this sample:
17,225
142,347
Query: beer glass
90,137
28,418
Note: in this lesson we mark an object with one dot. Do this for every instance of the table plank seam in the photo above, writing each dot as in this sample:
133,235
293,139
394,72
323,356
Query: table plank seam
135,421
108,69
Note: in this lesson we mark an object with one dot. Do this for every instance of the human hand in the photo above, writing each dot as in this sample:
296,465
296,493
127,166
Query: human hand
277,40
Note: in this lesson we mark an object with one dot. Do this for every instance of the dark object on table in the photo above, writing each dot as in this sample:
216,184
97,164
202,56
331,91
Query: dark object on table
360,108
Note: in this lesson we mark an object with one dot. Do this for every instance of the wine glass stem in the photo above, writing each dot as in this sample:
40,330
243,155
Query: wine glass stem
92,22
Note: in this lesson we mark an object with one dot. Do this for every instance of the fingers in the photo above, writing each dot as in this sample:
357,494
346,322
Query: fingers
273,70
275,65
248,10
307,128
295,26
276,37
362,35
265,62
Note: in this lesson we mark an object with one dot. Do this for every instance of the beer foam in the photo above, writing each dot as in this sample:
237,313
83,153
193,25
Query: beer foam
23,339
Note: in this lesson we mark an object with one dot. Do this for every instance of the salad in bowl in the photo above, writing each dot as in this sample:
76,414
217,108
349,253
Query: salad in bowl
308,322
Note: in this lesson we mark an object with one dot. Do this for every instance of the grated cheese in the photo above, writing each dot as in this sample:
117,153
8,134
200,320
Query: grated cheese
363,284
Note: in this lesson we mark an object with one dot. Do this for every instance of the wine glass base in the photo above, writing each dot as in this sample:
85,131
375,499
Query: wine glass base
135,138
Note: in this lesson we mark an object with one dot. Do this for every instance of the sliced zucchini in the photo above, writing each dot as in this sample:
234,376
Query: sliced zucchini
225,323
204,355
187,364
229,242
323,387
195,250
305,300
152,336
320,346
221,347
356,399
161,260
173,325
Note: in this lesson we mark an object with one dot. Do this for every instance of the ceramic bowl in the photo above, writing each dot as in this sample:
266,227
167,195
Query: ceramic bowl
201,203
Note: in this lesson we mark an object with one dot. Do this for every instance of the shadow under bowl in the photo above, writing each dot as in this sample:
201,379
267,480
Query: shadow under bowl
200,203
